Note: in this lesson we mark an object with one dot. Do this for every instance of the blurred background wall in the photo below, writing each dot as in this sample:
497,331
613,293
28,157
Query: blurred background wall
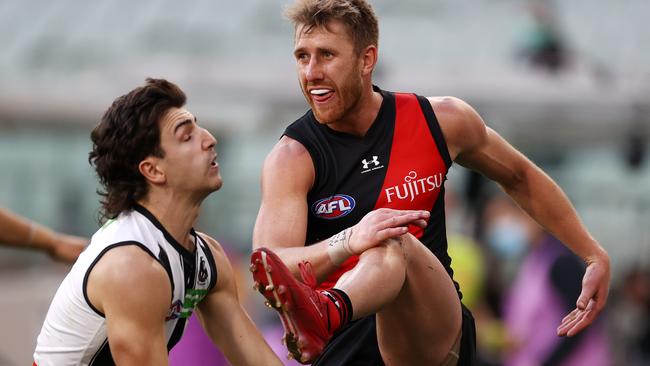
566,82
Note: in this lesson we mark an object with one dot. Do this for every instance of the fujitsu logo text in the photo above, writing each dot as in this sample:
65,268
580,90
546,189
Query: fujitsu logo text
413,187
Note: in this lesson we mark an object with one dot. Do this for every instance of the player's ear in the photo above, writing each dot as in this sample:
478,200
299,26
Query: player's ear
151,170
369,59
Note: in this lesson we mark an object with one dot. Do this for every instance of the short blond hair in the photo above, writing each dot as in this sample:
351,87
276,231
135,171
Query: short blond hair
357,15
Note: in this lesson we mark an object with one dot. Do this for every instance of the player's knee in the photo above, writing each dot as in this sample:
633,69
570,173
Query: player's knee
393,251
406,246
396,249
404,242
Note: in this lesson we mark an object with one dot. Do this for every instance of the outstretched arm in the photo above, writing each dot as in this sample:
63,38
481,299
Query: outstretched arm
17,231
478,147
226,321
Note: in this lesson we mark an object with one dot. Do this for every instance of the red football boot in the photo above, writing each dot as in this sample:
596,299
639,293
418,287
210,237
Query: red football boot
303,310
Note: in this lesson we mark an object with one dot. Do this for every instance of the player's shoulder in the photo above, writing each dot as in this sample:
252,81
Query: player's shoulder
213,244
461,125
451,108
221,261
126,263
289,158
288,148
126,276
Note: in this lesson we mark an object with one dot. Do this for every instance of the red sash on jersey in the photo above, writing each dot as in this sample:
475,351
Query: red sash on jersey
414,156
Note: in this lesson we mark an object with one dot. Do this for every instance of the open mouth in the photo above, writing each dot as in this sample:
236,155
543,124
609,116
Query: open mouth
321,95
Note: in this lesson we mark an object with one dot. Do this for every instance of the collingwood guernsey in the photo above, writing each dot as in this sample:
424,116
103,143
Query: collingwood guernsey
81,339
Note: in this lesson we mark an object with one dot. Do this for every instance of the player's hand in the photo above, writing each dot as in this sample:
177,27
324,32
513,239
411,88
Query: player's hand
66,248
382,224
595,288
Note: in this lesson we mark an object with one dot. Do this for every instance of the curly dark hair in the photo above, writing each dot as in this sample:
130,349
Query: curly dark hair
129,132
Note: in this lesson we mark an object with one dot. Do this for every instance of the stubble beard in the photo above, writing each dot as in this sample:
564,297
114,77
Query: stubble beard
348,96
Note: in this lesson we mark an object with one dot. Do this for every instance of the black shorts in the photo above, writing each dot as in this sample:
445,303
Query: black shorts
468,341
356,344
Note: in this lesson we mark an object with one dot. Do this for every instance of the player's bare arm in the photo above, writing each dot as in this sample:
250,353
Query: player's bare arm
21,232
226,321
120,286
478,147
287,176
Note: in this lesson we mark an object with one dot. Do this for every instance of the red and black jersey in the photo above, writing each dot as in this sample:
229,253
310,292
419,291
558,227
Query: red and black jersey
401,162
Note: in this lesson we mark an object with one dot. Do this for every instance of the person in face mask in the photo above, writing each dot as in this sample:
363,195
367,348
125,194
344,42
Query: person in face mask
508,233
507,238
544,287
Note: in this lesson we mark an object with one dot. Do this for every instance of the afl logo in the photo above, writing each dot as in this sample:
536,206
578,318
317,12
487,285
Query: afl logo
333,207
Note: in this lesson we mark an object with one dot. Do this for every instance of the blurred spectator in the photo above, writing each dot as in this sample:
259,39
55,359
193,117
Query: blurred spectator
630,320
506,232
543,46
470,271
476,197
466,254
546,289
468,263
17,231
635,147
